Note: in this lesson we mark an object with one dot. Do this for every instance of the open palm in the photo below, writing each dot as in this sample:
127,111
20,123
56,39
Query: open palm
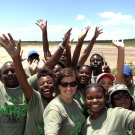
10,46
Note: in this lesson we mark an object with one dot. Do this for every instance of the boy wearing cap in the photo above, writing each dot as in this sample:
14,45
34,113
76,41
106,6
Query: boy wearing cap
33,59
128,79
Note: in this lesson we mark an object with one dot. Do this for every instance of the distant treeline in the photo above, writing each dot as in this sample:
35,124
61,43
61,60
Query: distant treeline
127,42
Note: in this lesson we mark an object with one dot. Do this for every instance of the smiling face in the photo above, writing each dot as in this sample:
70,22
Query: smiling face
95,100
8,75
46,86
96,62
67,92
106,82
84,75
122,102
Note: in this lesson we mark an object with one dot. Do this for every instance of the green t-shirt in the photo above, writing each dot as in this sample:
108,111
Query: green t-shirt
79,96
114,121
35,108
33,82
62,118
12,111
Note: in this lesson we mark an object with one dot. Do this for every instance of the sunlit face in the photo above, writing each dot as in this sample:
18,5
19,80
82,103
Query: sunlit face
124,101
96,62
8,75
46,86
56,70
95,100
84,75
106,82
67,92
127,80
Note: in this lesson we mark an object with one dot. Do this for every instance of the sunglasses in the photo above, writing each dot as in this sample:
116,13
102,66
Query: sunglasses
71,84
118,96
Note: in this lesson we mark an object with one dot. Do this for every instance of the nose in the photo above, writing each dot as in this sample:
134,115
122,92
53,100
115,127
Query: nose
9,72
94,100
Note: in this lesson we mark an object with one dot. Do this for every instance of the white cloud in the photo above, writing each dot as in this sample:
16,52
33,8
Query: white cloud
57,28
110,22
116,19
80,17
29,28
115,16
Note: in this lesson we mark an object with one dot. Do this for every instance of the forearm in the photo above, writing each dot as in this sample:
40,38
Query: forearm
68,57
120,65
45,41
54,58
27,89
76,54
87,51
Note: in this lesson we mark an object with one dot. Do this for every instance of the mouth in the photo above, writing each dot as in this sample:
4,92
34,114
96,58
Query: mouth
95,106
47,90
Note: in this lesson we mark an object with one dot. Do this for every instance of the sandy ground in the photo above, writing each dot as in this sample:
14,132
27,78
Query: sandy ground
110,53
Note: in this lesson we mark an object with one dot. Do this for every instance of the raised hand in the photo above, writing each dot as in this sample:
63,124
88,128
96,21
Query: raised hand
83,33
66,37
22,59
118,43
97,32
10,46
42,24
47,55
33,66
70,43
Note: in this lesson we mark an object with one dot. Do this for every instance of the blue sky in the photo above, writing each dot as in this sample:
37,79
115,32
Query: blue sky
116,18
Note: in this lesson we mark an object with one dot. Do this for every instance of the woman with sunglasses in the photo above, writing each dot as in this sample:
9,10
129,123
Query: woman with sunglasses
120,96
63,115
105,121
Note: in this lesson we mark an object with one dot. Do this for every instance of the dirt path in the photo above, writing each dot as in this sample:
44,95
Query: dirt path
109,52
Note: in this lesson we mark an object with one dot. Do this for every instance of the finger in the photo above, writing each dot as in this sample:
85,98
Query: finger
3,45
11,38
68,31
38,21
37,24
21,53
5,38
19,44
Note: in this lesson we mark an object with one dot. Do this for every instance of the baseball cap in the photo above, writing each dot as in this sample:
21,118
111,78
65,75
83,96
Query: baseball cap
32,52
127,70
105,75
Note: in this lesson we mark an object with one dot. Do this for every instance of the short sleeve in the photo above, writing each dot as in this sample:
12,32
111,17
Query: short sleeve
52,122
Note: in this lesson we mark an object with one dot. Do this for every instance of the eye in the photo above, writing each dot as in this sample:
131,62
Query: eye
99,97
89,98
49,82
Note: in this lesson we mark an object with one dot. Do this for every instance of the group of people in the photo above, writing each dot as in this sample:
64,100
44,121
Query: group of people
64,96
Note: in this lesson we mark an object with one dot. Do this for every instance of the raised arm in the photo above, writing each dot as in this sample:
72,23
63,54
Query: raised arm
120,61
79,44
68,54
43,26
56,56
88,49
14,51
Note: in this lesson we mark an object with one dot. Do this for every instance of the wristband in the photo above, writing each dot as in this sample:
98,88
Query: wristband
61,45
